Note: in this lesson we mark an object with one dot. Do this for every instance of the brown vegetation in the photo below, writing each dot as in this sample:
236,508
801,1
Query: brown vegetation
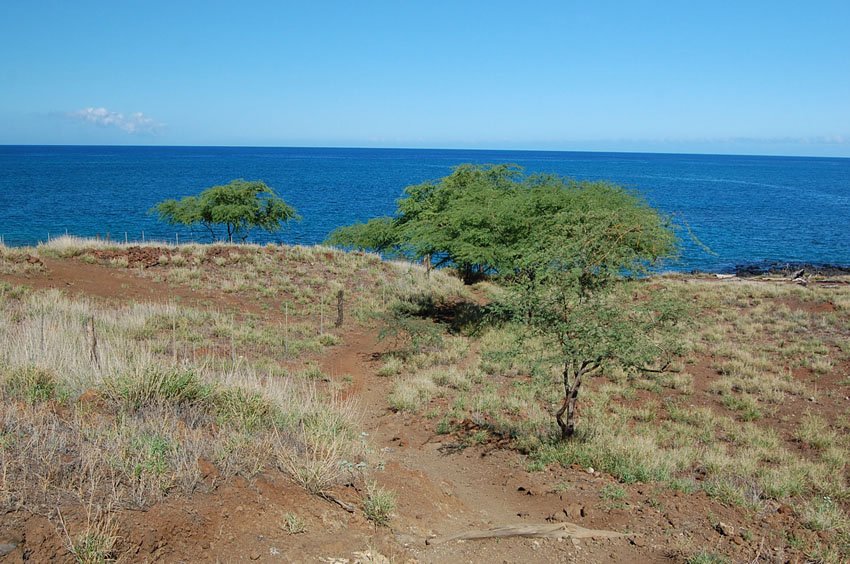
221,415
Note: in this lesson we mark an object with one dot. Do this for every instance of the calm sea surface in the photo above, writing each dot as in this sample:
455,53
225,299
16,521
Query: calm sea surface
746,209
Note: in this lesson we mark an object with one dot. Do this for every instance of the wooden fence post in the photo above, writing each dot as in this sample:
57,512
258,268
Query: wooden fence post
340,306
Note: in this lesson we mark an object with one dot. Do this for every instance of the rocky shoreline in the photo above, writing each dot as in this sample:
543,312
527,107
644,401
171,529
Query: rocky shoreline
788,269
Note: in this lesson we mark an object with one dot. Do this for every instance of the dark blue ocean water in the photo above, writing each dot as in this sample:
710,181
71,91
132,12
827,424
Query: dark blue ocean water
746,209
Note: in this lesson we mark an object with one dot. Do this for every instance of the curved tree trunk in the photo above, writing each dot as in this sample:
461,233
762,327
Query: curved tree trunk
571,389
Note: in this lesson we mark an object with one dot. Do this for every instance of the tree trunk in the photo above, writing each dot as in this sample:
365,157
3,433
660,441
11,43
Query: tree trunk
568,427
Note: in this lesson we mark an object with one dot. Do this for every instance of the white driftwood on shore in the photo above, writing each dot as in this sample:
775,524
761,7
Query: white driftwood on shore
548,530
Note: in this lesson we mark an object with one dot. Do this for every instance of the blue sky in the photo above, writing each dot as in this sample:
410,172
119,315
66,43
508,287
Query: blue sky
711,77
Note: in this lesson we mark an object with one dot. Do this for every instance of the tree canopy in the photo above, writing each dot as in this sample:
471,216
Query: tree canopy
564,249
489,219
229,211
572,287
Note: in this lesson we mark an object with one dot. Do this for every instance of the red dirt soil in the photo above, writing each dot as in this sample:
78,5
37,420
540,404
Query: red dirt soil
441,489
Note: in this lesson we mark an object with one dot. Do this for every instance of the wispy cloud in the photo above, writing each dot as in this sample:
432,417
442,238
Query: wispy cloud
136,122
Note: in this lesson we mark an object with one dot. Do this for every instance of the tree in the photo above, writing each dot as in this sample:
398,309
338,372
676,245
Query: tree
379,234
463,220
238,207
566,250
574,288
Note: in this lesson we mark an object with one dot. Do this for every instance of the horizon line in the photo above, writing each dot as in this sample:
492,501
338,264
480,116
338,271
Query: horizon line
477,149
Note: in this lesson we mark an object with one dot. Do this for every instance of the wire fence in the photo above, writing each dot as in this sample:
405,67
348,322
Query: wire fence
141,237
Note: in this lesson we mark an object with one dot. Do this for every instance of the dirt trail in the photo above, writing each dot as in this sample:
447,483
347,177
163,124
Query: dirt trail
444,489
77,278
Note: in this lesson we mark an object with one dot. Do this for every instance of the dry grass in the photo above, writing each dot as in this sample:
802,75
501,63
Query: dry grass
17,261
745,354
128,424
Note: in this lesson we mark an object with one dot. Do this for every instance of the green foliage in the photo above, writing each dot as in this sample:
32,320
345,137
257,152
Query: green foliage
488,219
565,249
379,234
151,454
410,334
238,206
612,492
379,504
244,409
572,284
464,219
159,385
31,384
704,557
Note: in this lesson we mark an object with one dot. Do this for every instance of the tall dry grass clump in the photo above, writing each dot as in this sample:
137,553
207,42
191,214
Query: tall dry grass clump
93,407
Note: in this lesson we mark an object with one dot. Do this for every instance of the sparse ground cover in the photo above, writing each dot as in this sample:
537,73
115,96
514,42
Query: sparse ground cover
755,414
234,385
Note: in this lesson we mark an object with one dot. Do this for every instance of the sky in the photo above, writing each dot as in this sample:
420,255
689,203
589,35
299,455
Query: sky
742,77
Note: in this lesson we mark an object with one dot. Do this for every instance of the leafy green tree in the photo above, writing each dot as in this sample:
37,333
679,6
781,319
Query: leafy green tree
574,285
464,219
236,208
566,250
379,234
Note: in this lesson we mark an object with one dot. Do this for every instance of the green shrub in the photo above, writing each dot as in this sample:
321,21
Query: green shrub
243,409
379,504
31,384
156,385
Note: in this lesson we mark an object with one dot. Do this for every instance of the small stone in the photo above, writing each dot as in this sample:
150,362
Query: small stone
724,529
573,511
811,398
7,546
638,541
590,470
254,555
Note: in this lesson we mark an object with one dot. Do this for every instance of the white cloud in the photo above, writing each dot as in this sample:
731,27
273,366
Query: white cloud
136,122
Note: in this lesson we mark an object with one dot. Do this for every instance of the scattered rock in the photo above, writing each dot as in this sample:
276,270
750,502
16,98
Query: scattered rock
370,556
209,473
785,510
590,470
574,511
8,546
638,541
724,529
407,540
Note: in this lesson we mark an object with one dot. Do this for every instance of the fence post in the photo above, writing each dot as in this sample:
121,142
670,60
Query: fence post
339,308
92,337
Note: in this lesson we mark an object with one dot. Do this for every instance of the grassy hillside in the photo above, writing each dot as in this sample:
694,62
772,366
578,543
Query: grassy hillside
136,375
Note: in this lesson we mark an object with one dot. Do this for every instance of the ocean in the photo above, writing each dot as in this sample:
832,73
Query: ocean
746,209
